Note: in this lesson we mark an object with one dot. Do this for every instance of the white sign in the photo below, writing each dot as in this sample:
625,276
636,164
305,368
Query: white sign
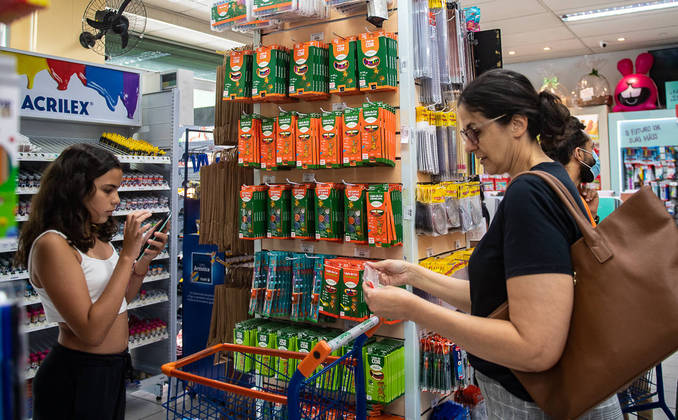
65,90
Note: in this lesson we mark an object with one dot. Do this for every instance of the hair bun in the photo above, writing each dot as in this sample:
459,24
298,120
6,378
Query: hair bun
553,118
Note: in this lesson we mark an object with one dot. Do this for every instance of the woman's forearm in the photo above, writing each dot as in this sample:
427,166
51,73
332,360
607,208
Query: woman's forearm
494,340
135,281
454,291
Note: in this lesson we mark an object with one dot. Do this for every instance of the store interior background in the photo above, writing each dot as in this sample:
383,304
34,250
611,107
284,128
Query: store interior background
178,36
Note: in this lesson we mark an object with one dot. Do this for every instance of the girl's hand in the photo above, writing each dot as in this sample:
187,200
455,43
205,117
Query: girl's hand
389,302
134,233
393,272
158,241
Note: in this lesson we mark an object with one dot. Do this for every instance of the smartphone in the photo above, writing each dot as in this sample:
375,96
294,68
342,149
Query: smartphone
158,228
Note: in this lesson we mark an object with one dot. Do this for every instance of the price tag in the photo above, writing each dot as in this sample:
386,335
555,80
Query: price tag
319,36
429,252
408,213
404,135
457,244
309,177
307,248
361,252
339,106
269,179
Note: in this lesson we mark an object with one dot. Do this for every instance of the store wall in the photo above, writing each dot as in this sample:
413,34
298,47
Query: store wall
570,69
58,29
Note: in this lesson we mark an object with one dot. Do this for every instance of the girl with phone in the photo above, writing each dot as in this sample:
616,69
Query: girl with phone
84,284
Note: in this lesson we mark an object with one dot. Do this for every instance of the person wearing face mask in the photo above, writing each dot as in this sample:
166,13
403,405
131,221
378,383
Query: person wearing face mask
524,258
574,150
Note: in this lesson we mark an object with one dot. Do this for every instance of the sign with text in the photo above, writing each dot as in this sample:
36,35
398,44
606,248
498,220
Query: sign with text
202,267
65,90
648,133
671,94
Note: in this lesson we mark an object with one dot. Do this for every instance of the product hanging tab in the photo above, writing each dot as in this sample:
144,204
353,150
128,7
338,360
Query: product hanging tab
238,76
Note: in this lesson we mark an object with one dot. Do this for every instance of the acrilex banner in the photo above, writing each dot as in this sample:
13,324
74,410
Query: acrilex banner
59,89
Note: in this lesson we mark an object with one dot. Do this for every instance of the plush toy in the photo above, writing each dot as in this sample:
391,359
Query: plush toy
635,91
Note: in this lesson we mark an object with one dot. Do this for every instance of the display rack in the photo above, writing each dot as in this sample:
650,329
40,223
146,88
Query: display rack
159,113
414,404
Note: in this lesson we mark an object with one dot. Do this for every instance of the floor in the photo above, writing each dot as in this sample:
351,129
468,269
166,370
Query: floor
142,405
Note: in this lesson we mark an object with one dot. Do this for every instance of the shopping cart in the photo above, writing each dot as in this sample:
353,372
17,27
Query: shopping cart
229,381
646,393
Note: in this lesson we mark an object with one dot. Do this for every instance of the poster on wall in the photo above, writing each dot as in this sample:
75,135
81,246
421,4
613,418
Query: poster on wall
202,267
66,90
590,122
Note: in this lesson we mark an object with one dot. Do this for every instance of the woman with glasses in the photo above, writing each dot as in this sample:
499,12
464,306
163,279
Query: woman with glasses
524,258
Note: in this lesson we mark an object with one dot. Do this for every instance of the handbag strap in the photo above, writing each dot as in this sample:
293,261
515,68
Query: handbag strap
595,242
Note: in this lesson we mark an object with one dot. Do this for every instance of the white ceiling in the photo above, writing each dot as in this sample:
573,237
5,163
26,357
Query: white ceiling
527,26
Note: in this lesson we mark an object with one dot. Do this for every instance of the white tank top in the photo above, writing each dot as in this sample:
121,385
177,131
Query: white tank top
97,275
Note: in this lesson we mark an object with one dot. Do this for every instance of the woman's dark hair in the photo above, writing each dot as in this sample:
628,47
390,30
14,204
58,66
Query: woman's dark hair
561,149
498,92
59,203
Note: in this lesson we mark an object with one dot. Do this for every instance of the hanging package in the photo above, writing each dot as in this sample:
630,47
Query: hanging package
355,208
344,66
330,294
384,215
377,130
329,221
268,146
249,141
308,141
309,71
278,297
286,139
279,205
302,286
303,211
270,81
377,61
331,144
238,76
352,304
253,212
352,139
226,13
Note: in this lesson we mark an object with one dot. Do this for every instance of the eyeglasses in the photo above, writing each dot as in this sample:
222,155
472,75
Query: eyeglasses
472,134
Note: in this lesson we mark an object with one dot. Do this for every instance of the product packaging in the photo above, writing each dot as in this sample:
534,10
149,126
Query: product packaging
302,286
377,129
355,210
286,138
352,304
318,283
309,71
259,279
278,297
331,144
279,205
245,334
226,13
267,338
238,76
249,141
344,66
330,294
352,139
253,212
268,146
384,215
287,340
377,61
329,221
384,370
303,211
270,81
308,141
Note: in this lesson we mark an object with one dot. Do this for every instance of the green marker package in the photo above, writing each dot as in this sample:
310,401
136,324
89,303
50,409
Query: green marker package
238,76
267,338
384,367
329,212
355,219
330,293
309,71
377,61
344,66
270,80
287,340
279,204
244,334
303,211
253,212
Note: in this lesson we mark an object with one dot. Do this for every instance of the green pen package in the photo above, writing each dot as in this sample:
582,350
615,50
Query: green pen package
344,66
253,212
303,211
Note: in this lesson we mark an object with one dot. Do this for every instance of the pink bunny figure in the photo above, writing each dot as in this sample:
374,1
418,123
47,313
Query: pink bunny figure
635,91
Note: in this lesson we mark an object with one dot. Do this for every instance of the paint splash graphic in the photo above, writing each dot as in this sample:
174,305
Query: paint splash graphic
62,71
112,85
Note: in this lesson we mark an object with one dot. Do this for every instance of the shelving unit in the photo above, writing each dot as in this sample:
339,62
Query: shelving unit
159,113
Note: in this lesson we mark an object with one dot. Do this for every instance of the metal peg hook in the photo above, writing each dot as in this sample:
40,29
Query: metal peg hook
292,182
281,109
311,256
347,183
336,34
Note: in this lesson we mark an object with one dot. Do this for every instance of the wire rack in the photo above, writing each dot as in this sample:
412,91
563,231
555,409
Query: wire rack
645,393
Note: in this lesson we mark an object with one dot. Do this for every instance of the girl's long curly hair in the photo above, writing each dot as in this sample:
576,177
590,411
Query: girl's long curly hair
59,203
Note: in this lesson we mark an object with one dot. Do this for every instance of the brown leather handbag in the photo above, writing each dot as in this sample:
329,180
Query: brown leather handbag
625,316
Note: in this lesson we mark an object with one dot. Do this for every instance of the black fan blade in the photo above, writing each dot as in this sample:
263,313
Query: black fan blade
102,26
124,37
123,6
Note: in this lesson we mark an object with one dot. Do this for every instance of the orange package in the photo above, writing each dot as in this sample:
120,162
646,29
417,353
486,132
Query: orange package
268,132
286,138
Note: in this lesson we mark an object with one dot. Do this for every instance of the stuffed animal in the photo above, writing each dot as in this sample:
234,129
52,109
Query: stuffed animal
635,91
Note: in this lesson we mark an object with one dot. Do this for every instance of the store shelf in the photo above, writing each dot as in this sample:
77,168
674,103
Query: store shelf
146,302
163,276
30,301
49,157
34,190
39,326
162,256
153,210
141,343
8,245
12,277
21,218
430,246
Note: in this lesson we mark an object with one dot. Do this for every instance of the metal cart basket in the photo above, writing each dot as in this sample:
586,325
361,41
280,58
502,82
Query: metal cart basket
229,381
